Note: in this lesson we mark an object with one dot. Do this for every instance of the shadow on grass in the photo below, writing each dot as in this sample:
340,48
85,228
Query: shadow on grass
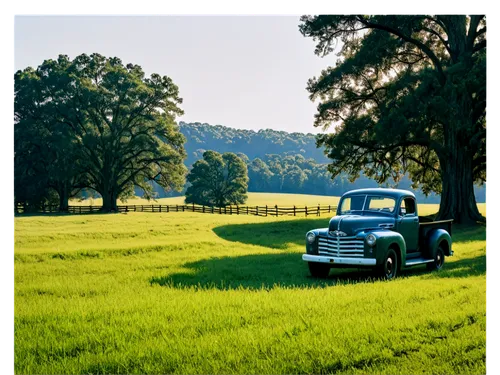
276,235
50,214
286,269
259,271
56,214
266,271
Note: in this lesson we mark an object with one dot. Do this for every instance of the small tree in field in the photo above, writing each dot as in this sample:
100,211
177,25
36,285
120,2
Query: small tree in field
218,180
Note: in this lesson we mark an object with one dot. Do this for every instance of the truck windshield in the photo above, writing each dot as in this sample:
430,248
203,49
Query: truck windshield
367,203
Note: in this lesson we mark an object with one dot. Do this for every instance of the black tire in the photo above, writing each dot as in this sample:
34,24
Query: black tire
388,270
438,260
319,270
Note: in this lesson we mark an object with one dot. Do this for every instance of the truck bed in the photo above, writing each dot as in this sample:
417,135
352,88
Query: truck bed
427,224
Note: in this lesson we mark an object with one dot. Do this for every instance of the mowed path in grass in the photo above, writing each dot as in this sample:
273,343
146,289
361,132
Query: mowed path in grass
202,293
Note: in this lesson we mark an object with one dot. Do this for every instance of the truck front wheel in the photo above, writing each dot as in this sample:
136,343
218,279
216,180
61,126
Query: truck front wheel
438,260
389,267
318,269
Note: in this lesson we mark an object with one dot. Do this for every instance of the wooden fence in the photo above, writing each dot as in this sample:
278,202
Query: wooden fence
228,210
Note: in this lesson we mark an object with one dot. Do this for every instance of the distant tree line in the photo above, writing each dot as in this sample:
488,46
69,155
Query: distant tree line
295,174
284,162
201,137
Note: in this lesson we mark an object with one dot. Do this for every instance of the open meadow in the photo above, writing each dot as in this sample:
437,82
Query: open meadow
254,199
200,293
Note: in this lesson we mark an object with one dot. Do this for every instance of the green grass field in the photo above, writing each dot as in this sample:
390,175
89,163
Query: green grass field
202,293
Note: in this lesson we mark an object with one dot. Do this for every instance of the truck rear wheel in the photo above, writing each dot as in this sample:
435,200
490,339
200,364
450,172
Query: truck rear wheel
438,260
318,269
389,267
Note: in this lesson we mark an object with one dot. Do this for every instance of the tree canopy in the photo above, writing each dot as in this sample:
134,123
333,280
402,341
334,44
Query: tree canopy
408,94
106,125
202,136
218,180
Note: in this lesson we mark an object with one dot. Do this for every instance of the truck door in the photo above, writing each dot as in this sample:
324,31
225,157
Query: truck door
408,223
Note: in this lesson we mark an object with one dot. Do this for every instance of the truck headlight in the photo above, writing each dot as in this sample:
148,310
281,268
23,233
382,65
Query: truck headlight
371,240
310,237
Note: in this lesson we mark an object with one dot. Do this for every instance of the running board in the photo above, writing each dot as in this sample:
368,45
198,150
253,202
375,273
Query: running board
417,261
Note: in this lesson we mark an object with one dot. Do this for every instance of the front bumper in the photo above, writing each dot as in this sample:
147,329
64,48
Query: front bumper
336,260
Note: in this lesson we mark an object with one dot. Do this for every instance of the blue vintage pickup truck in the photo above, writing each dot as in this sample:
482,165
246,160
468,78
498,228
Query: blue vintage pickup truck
379,229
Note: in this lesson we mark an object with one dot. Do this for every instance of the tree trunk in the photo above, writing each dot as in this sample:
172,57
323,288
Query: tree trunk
458,201
109,199
63,198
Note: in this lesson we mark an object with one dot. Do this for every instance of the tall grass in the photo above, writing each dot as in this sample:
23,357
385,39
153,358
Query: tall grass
193,293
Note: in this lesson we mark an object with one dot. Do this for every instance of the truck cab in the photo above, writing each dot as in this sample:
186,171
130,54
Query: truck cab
379,229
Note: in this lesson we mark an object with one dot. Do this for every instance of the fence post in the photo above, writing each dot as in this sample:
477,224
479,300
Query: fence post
177,208
293,210
328,208
237,210
220,210
225,210
168,208
306,210
266,209
319,211
142,208
247,210
276,206
257,210
193,206
135,208
212,209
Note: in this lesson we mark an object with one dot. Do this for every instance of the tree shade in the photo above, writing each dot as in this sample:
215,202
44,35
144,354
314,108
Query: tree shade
408,94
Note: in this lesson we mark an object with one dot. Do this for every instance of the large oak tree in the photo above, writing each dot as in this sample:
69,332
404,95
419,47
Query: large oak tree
407,94
121,122
46,156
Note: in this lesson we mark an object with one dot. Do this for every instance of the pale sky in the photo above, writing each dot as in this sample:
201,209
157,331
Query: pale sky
240,71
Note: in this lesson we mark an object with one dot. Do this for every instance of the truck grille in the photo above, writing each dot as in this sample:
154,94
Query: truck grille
343,247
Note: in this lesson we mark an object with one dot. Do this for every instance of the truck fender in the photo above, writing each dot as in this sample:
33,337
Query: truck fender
387,239
434,238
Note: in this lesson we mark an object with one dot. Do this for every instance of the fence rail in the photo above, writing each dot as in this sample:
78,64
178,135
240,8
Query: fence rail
227,210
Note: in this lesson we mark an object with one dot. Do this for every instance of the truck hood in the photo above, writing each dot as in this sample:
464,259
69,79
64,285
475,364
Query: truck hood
352,224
